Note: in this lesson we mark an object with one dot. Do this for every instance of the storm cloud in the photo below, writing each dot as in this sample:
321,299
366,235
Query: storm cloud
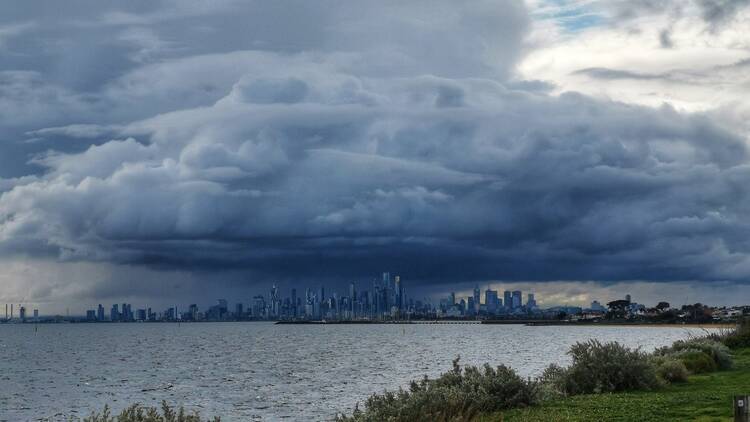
292,141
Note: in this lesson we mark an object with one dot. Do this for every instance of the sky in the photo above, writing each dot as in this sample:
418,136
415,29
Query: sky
180,151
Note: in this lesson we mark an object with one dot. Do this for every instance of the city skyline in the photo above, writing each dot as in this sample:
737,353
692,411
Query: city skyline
498,299
581,148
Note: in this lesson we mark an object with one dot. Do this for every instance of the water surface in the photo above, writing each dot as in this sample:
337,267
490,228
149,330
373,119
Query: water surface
261,371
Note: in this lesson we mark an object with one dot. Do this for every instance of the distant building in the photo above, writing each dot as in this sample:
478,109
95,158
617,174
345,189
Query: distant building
508,299
100,313
530,301
597,307
491,300
91,315
22,313
516,299
477,294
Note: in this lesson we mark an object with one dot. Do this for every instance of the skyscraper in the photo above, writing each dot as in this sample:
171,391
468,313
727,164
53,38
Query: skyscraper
100,313
517,299
399,292
477,295
530,301
491,300
507,300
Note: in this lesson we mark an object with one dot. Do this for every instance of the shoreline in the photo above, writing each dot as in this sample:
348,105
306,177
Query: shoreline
528,323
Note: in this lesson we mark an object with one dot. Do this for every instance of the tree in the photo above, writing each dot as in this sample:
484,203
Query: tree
662,306
617,309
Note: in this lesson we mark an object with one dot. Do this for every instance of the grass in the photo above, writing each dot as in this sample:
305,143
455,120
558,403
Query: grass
703,398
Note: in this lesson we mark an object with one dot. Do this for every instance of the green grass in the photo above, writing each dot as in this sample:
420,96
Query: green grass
703,398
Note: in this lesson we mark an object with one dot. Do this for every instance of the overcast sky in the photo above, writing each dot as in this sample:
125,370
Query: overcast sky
179,151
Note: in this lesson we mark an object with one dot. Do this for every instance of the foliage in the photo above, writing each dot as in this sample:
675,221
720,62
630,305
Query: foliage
672,370
740,337
140,413
604,367
696,361
705,397
716,351
459,394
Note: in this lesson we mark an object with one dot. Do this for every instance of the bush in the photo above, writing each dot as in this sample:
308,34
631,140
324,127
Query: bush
696,361
608,367
672,370
459,394
718,352
740,337
139,413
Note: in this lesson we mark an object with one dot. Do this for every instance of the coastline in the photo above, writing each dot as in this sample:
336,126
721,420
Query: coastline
529,323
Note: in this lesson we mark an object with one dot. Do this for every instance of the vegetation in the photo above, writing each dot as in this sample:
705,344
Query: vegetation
740,337
459,394
705,397
140,413
606,381
603,368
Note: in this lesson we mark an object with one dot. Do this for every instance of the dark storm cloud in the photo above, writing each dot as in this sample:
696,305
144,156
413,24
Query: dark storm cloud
335,143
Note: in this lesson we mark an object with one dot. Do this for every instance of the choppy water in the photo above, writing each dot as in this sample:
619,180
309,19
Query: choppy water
245,371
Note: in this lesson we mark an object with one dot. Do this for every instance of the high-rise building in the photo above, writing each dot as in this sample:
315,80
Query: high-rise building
508,299
91,315
452,299
477,295
294,303
399,292
114,313
491,300
530,301
100,313
517,299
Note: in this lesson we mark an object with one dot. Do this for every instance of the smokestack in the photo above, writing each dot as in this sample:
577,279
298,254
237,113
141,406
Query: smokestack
11,311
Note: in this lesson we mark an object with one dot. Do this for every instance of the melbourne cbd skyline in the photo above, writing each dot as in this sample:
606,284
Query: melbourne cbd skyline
161,152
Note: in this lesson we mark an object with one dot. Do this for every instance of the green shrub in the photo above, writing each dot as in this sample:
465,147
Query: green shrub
696,361
672,370
718,352
740,337
140,413
459,394
607,367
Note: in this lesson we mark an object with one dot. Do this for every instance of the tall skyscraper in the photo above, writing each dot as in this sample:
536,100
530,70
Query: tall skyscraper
491,300
114,313
517,299
530,301
477,295
399,292
507,299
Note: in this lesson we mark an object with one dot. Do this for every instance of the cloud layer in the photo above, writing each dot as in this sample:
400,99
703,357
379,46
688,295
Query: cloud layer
292,143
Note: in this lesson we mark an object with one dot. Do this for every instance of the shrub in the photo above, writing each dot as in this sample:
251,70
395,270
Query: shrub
696,361
718,352
672,370
607,367
740,337
459,394
139,413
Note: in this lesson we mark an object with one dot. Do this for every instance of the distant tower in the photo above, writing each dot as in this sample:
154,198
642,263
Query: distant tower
627,297
477,294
